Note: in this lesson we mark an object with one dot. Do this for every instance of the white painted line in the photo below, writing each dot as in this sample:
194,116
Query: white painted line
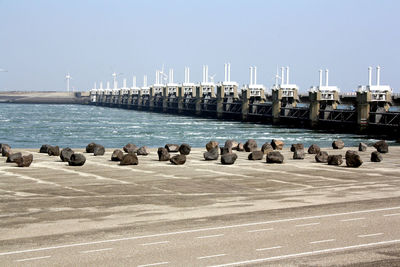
211,256
392,214
260,230
306,224
96,250
307,253
154,243
196,230
31,259
352,219
154,264
322,241
370,235
262,249
209,236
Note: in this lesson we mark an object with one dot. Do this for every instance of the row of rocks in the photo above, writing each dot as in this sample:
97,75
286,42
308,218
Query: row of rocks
18,158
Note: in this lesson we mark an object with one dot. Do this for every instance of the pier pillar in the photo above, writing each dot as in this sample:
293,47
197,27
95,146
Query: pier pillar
220,101
245,104
180,98
363,108
120,99
151,99
199,95
165,99
276,105
129,103
140,100
315,98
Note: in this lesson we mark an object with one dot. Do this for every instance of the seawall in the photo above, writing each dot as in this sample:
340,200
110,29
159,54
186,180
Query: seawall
45,97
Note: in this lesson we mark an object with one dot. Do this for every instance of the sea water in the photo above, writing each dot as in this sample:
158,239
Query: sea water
31,125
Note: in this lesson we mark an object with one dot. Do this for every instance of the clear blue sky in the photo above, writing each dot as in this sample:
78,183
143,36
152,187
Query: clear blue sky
41,40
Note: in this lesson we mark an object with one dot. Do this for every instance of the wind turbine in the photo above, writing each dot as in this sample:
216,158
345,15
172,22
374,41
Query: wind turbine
164,76
212,78
68,78
115,75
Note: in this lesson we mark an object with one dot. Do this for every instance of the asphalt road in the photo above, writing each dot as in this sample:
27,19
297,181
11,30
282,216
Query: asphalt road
201,214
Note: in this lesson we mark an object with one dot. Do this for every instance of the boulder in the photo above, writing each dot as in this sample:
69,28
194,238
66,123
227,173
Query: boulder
232,144
142,151
178,159
212,144
66,154
382,146
117,155
184,149
298,154
212,154
322,156
353,159
314,149
76,160
130,148
256,155
250,145
5,150
295,147
172,147
225,150
277,144
24,161
44,148
335,160
12,157
337,144
163,154
240,147
99,150
228,159
362,147
275,157
129,159
90,147
266,148
376,156
53,151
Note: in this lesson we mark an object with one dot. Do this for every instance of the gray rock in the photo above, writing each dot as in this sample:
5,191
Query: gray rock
12,157
5,150
250,145
322,157
376,156
24,161
314,149
99,150
117,155
256,155
77,160
129,159
225,150
66,154
362,147
228,159
90,147
178,159
142,151
232,144
335,160
298,154
53,151
275,157
295,147
172,147
212,144
338,144
353,159
266,148
382,146
240,147
277,144
130,148
44,148
184,149
212,154
163,154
